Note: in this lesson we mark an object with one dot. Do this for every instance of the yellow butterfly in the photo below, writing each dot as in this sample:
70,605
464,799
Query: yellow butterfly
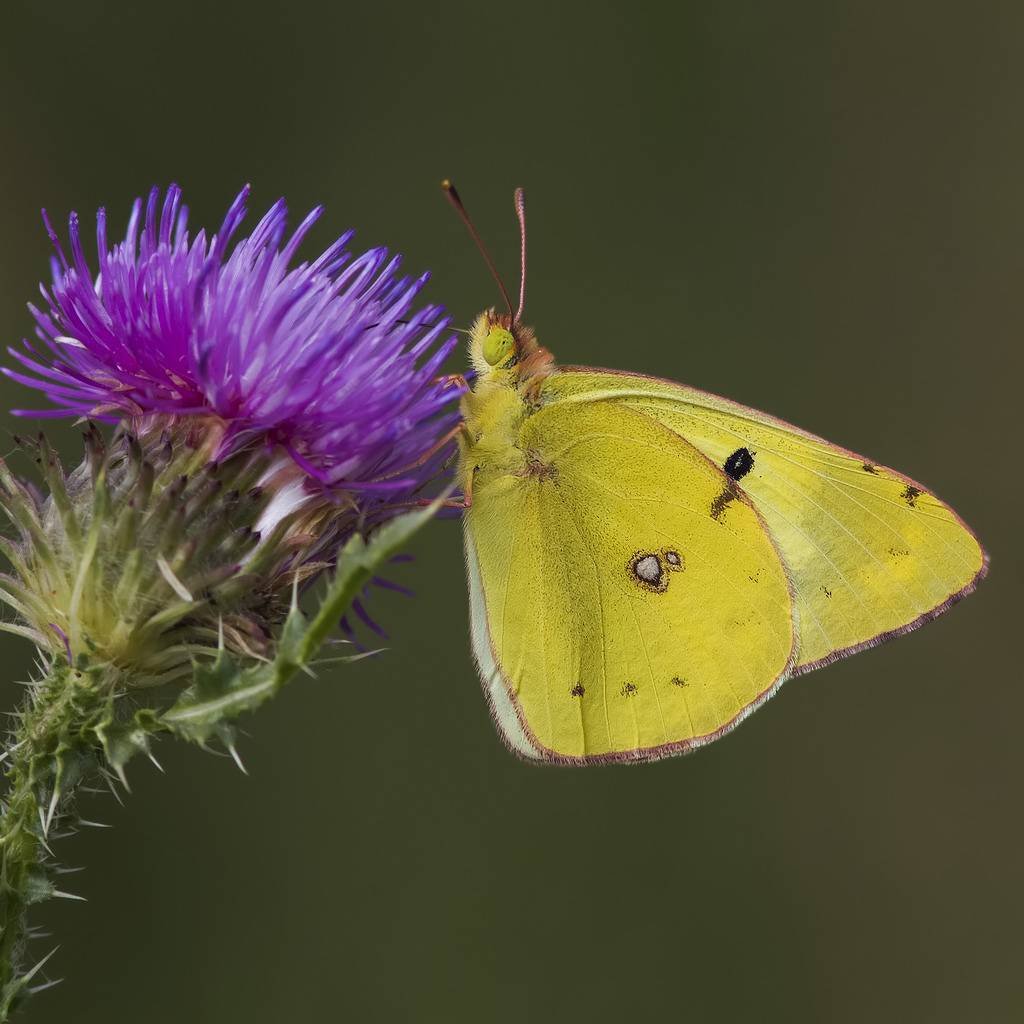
648,563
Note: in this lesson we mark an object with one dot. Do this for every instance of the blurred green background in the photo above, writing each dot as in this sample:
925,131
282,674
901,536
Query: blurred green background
816,209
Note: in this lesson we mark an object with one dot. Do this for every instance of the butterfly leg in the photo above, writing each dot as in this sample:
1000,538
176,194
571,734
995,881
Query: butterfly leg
428,454
456,380
462,502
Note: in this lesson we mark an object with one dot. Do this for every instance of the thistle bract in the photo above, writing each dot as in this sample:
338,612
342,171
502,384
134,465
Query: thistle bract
149,556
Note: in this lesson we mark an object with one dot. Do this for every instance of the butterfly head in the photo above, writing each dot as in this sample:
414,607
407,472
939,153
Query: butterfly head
492,343
499,345
503,350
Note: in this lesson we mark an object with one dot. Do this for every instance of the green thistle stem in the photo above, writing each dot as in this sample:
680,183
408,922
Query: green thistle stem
53,748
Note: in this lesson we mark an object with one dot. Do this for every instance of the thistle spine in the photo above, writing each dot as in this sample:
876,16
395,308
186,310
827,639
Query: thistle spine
53,748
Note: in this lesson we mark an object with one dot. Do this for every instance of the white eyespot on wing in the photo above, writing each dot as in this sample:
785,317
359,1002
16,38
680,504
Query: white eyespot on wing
648,569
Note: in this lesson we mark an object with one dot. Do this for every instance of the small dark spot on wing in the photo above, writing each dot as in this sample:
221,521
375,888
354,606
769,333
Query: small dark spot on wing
538,468
911,494
679,681
673,559
577,690
629,690
721,503
826,591
869,468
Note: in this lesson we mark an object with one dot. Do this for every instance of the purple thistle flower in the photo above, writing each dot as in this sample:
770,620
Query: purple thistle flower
327,359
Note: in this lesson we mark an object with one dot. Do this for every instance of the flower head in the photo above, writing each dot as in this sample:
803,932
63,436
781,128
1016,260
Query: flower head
328,359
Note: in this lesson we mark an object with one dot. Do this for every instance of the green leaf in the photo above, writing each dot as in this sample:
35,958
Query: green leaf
123,740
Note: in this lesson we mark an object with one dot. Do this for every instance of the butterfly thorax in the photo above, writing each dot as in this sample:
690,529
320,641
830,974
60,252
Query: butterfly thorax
510,369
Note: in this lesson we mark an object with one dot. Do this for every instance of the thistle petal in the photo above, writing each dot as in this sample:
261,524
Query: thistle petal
328,358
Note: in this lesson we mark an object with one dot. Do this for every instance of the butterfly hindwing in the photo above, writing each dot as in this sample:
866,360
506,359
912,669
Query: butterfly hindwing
628,601
871,553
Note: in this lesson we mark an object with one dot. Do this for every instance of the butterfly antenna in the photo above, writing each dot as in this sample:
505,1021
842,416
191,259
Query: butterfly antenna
520,202
456,201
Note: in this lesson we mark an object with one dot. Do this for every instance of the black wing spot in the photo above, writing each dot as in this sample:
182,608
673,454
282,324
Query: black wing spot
739,464
869,468
911,494
577,690
826,591
678,681
629,690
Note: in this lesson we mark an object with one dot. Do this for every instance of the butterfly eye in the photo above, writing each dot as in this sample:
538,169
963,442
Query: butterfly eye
498,346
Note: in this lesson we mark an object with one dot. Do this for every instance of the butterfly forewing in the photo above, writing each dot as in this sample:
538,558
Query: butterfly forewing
871,553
